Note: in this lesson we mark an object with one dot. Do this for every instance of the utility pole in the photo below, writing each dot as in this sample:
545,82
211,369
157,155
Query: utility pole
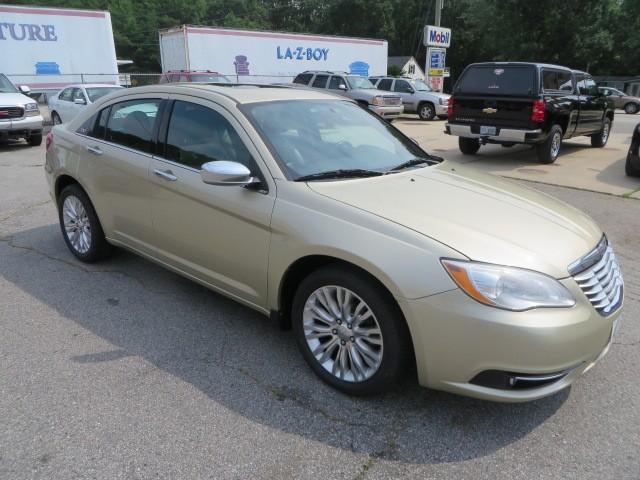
438,12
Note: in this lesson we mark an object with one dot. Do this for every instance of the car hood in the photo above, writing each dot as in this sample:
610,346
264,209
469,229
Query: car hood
374,92
14,99
484,217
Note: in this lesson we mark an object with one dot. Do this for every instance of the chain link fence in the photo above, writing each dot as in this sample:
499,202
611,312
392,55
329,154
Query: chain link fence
44,86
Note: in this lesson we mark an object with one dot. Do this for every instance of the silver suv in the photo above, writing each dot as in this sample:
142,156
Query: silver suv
19,115
355,87
417,96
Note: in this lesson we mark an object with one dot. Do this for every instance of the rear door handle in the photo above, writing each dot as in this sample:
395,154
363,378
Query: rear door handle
94,150
165,175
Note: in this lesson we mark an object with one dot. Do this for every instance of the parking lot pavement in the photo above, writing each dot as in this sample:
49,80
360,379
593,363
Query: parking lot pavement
123,370
578,166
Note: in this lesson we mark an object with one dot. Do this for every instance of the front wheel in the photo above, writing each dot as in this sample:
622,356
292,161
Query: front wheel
549,150
468,146
35,140
350,331
631,108
599,140
80,226
426,111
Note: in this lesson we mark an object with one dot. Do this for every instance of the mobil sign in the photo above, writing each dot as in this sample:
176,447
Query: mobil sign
437,36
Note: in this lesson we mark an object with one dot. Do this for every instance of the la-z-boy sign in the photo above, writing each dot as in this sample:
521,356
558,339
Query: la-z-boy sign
437,36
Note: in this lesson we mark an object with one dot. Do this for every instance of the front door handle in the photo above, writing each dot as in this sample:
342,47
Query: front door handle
94,150
165,175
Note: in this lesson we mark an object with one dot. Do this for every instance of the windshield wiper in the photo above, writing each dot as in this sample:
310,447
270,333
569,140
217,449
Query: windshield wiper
341,173
416,161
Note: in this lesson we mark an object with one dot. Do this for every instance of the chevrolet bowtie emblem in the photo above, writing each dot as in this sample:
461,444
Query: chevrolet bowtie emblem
489,110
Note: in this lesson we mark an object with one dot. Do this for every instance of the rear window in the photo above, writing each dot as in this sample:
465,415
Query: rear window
497,80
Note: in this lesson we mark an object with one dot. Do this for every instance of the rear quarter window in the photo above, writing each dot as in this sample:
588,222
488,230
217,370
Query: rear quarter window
497,80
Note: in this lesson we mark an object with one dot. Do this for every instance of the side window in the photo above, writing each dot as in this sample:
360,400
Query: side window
556,81
131,124
183,78
385,84
320,81
198,134
335,83
402,86
163,79
66,94
77,94
586,85
303,78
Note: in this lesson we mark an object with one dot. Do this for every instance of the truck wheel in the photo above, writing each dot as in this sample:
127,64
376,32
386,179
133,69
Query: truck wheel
549,149
631,108
426,111
35,140
599,140
468,146
630,170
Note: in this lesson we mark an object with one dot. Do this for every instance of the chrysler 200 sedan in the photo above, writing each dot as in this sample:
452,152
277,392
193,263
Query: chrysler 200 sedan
310,209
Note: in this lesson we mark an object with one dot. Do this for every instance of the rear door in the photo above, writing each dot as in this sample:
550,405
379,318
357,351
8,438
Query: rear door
405,90
592,105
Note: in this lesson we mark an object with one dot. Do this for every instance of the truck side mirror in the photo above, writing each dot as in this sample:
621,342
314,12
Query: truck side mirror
342,86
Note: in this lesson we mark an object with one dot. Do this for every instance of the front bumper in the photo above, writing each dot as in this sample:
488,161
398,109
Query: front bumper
387,112
503,135
457,340
21,128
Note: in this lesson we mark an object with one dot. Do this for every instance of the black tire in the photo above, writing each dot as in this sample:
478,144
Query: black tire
393,345
468,146
82,225
630,170
35,140
631,108
426,111
55,118
599,140
549,150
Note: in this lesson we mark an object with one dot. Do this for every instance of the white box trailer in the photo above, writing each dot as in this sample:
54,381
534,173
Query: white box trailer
263,56
48,48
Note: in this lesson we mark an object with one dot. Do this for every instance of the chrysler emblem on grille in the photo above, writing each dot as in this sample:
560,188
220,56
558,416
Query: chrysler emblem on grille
489,110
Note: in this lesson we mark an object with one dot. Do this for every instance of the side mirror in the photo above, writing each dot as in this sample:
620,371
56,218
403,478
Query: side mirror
80,101
342,86
410,90
223,172
24,89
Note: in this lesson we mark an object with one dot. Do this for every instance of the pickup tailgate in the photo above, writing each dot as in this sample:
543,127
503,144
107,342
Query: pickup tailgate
494,111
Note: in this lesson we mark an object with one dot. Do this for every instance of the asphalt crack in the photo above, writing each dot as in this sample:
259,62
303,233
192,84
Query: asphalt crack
25,209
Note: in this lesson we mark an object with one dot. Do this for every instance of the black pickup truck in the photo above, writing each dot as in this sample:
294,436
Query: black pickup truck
531,103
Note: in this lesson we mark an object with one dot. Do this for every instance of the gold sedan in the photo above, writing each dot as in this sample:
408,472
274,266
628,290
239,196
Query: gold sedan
310,209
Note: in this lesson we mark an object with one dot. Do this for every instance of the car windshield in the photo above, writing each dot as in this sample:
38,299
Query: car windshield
6,86
420,86
359,82
311,137
94,93
209,78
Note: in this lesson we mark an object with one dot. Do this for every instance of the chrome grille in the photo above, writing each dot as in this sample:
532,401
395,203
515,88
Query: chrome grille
392,101
11,112
598,275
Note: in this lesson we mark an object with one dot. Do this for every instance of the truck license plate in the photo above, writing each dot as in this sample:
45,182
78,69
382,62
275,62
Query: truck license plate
487,130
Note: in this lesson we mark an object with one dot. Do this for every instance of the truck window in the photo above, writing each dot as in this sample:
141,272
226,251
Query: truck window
498,80
556,81
586,85
402,86
320,81
336,82
385,84
303,78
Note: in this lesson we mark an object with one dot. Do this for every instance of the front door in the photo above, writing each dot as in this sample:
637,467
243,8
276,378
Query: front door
217,234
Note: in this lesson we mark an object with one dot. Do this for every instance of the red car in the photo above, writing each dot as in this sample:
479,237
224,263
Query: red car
202,76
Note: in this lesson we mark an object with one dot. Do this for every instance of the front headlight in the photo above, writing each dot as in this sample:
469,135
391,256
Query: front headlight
377,101
508,287
31,109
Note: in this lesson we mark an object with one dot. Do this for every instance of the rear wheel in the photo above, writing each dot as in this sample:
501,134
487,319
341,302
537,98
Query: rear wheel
599,140
468,146
426,111
630,170
548,150
631,108
350,331
80,225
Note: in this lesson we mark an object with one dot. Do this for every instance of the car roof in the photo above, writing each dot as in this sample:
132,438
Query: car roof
93,85
531,64
239,93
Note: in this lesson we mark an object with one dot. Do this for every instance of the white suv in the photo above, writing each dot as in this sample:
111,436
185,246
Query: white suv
19,115
417,96
357,88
